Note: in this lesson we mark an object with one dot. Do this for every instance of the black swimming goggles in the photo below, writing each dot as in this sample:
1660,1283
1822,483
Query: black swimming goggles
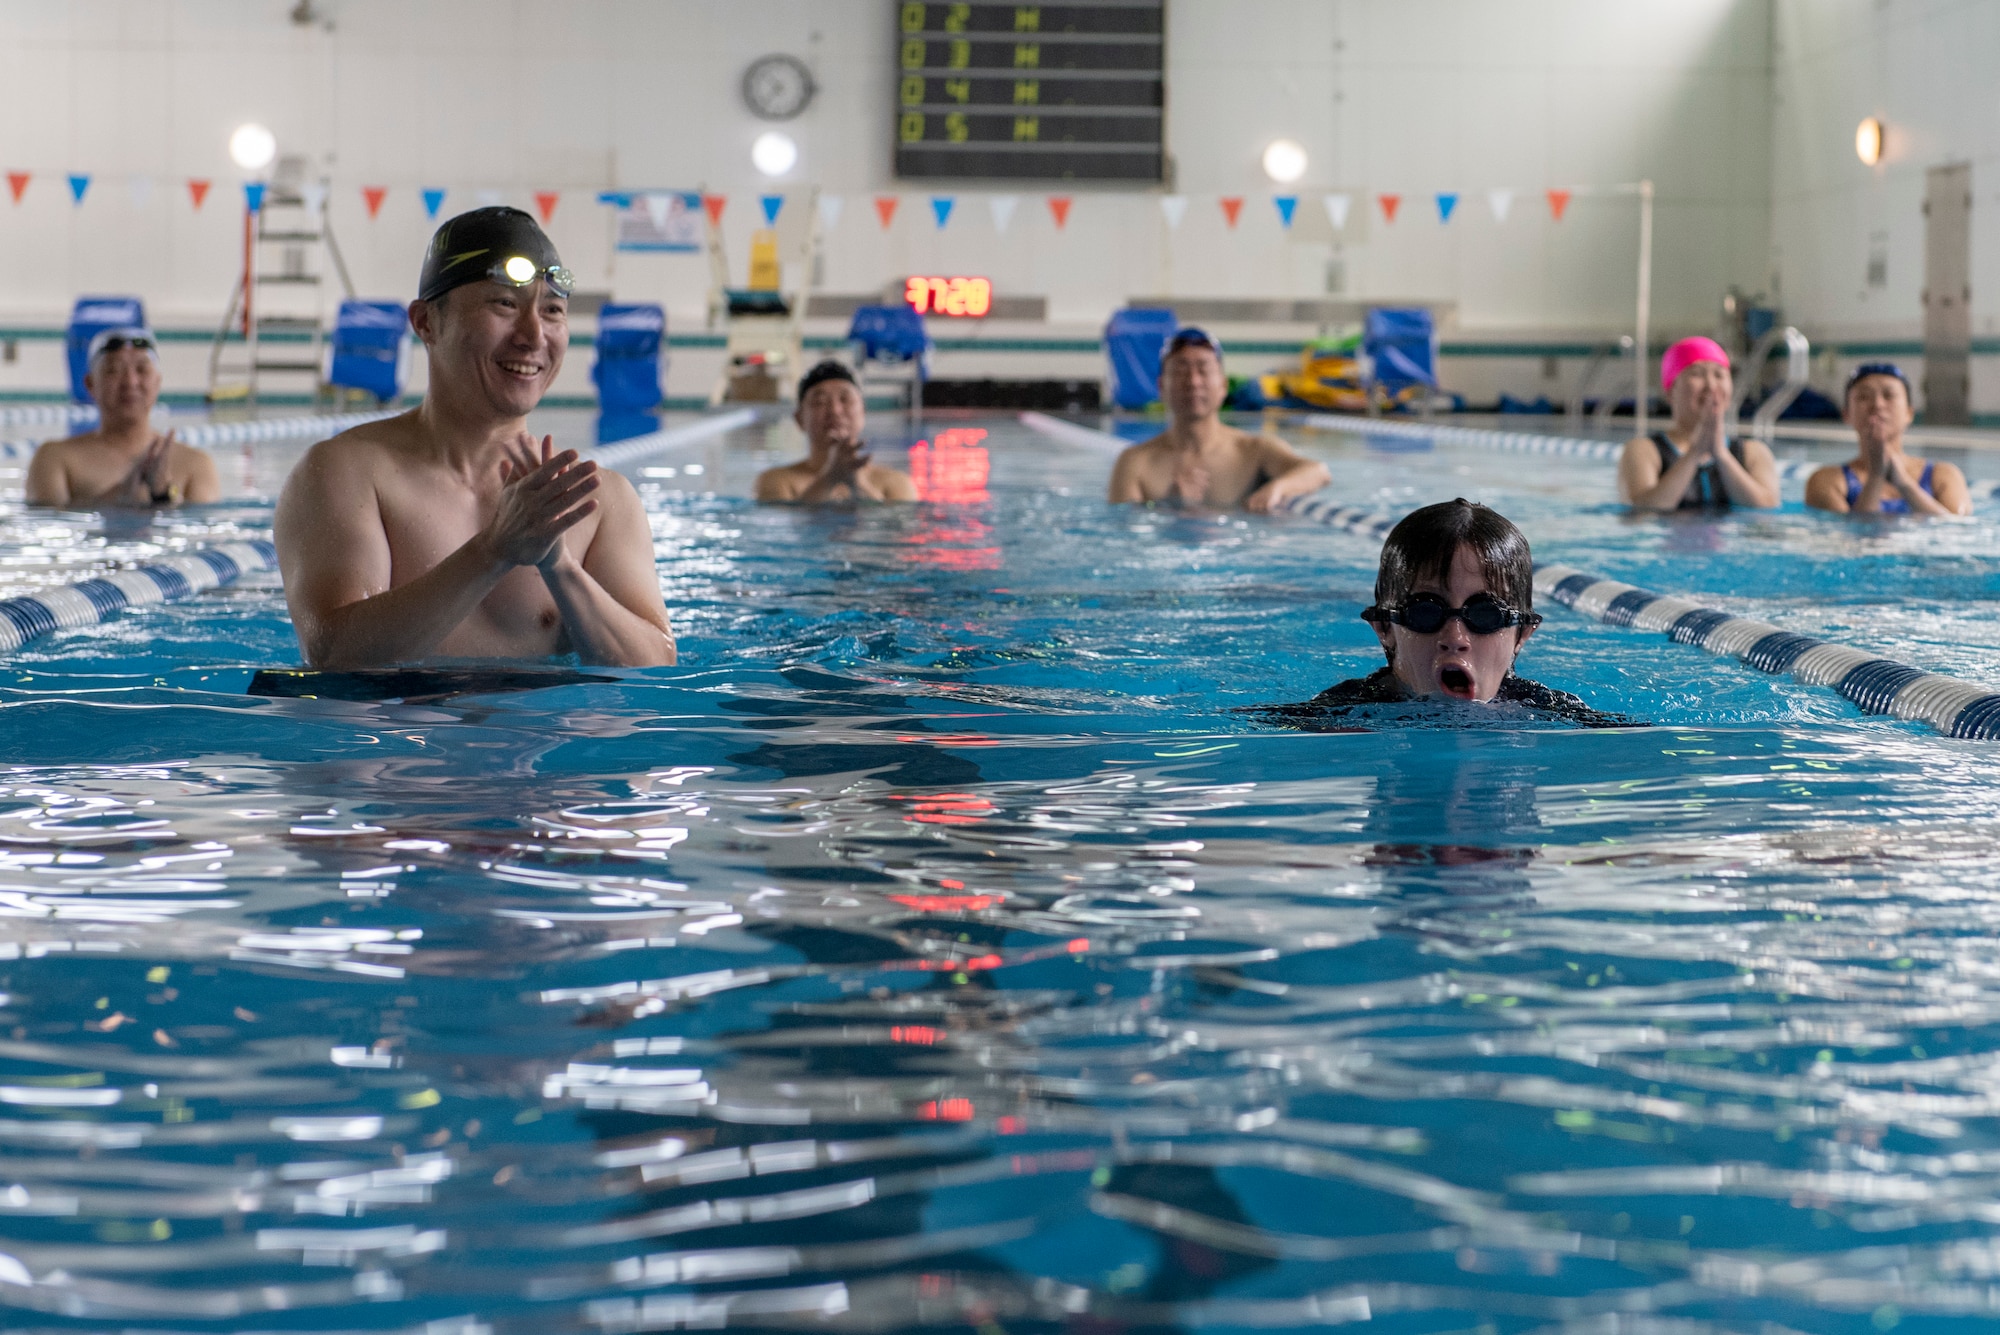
120,342
519,271
1426,614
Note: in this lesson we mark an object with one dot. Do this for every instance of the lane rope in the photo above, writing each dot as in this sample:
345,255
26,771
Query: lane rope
688,433
204,435
91,601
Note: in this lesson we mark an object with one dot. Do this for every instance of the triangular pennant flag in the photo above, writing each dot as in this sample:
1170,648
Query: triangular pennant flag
657,207
1173,208
1232,208
371,195
715,204
18,183
1002,207
885,209
433,200
771,204
78,183
1336,210
313,196
1389,203
1287,206
142,191
1447,201
488,198
1558,201
197,191
1500,199
1059,209
545,204
253,195
829,211
941,209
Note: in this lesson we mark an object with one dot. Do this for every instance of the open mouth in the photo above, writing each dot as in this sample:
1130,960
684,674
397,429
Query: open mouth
1456,681
526,370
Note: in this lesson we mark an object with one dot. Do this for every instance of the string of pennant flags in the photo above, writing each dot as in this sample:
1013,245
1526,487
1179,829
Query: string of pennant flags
1339,205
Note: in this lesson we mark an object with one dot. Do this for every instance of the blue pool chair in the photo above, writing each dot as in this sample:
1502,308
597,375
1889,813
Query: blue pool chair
1402,346
1133,342
891,345
89,317
631,342
369,338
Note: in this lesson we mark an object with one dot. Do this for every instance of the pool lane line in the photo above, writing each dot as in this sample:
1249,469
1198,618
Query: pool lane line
688,433
1875,685
91,601
203,435
1529,442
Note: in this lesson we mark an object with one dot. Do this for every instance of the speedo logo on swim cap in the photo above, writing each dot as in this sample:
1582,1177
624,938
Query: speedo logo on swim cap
463,256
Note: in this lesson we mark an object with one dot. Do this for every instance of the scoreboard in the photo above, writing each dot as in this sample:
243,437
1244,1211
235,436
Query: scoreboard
1011,92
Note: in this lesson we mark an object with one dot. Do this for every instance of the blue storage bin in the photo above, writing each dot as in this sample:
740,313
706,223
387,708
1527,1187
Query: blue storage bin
630,341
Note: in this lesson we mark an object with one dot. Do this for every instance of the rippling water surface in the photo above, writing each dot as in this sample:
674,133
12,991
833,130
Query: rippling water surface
937,948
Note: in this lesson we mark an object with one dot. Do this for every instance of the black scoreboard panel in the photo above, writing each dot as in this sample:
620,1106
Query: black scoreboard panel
1005,91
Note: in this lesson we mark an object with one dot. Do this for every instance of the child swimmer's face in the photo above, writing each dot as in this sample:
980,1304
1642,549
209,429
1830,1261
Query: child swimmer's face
1453,662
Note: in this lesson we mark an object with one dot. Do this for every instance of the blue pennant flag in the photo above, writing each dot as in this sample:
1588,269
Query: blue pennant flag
1287,205
771,203
78,183
253,196
941,206
1447,201
433,199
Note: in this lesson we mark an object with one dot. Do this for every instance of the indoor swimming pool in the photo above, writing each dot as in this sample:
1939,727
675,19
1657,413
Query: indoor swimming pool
947,943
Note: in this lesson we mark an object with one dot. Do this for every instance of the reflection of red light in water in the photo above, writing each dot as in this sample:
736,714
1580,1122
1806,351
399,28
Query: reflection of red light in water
954,468
946,1110
947,903
951,809
921,1034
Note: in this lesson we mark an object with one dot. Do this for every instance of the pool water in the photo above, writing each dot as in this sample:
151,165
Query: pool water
941,946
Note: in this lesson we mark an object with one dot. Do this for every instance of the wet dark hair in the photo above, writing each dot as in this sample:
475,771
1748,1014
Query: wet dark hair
1424,543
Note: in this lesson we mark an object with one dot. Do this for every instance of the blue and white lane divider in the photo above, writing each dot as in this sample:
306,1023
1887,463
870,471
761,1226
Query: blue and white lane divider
47,414
688,433
164,581
1876,685
1529,442
205,435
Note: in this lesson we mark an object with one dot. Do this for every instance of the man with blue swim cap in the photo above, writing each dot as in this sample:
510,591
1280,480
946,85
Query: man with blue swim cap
449,531
1199,460
121,462
1882,479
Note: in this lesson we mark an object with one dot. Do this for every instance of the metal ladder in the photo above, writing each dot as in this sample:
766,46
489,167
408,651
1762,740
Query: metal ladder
1798,370
1605,355
277,316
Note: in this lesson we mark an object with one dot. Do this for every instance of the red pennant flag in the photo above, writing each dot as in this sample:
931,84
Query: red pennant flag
545,204
18,183
885,209
372,196
715,204
1389,203
197,191
1558,201
1059,207
1232,208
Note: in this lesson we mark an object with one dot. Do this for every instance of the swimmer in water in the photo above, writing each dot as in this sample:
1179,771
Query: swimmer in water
449,531
1454,606
837,466
1200,461
1694,464
123,462
1882,480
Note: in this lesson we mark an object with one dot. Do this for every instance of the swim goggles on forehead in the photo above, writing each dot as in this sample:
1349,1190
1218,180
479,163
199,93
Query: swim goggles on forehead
519,271
1426,614
120,342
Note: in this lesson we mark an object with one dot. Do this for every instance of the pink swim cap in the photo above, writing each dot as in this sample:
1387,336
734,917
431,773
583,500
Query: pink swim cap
1685,354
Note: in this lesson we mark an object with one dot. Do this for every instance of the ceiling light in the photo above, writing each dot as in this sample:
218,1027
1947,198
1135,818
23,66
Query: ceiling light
1284,161
774,153
253,147
1868,138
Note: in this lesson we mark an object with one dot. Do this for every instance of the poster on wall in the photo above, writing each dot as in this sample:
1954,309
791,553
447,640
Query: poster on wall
657,220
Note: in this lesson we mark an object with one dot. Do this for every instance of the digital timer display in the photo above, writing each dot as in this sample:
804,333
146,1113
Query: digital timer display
949,296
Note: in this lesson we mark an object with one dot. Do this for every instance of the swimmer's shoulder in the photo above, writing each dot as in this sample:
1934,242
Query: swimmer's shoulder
893,483
362,447
782,482
1561,704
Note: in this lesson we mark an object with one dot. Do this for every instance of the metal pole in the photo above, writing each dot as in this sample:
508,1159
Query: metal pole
1641,362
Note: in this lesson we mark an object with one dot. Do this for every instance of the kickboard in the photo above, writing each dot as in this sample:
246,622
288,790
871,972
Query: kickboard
413,685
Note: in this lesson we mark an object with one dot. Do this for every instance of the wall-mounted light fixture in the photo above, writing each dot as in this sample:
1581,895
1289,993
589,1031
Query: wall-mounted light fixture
1868,138
774,153
252,147
1284,161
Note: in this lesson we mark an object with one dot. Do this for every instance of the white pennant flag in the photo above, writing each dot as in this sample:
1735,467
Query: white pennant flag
1336,211
142,191
313,194
1173,208
1500,199
488,198
1003,210
829,212
657,206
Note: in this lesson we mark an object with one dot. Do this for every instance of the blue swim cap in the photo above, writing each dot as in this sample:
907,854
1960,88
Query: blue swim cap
1191,336
1867,369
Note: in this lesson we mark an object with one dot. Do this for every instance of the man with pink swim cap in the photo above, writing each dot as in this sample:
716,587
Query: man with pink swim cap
1693,464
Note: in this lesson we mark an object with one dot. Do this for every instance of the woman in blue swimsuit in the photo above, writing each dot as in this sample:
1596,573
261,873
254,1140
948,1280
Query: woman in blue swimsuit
1694,464
1882,480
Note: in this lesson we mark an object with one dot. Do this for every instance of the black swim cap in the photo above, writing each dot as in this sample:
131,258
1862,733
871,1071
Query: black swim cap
466,247
825,371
